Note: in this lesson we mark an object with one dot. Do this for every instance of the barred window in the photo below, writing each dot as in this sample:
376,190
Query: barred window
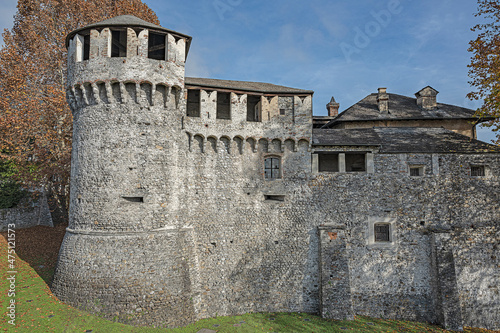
382,233
272,168
416,171
477,171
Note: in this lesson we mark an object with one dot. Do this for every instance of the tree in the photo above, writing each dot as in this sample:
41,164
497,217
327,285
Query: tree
484,68
35,120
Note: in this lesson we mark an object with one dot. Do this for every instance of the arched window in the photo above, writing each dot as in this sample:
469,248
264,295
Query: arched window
272,168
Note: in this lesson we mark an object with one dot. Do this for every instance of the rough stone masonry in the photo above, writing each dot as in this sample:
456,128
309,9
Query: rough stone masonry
193,198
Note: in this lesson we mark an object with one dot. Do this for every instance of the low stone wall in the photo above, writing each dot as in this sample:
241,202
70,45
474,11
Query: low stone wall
28,213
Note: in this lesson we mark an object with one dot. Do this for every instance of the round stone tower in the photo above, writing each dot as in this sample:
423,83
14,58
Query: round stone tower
125,254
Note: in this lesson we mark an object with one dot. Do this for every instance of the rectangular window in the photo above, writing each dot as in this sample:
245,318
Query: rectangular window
253,108
86,47
382,232
477,171
156,46
272,168
355,163
328,162
118,43
193,103
416,171
282,112
223,105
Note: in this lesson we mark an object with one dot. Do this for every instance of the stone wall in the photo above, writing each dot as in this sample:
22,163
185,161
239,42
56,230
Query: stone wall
31,211
138,278
401,279
172,218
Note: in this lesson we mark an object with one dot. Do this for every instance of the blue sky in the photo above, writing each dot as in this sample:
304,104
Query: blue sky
345,49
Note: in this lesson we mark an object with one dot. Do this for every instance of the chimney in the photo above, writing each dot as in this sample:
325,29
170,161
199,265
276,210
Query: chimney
333,108
426,98
383,100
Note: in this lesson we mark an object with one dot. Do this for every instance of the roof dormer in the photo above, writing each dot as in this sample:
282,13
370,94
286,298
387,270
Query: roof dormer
426,98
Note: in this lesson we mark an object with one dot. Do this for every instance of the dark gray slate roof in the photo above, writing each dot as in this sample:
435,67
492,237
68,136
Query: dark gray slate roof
127,21
260,87
400,108
403,139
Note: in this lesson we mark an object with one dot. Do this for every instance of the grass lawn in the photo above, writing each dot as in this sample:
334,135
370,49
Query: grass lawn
37,310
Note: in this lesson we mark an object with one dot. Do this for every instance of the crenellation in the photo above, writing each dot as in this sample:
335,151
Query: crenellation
95,44
132,45
171,48
105,43
75,52
180,51
142,43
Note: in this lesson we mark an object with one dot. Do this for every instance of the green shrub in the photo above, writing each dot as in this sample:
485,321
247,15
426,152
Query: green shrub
10,190
10,194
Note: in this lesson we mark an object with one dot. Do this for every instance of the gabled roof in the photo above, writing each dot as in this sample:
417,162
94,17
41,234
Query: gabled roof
403,140
427,91
400,108
259,87
128,21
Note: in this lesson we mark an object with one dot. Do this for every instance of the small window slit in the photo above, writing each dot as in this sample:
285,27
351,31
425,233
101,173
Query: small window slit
134,199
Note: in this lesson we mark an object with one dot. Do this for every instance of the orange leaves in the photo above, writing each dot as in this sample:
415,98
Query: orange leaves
484,69
35,121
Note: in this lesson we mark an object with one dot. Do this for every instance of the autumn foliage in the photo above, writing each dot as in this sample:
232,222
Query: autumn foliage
35,120
484,68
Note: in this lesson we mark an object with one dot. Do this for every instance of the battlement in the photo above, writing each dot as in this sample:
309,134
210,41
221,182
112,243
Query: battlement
143,93
126,42
230,113
198,143
126,48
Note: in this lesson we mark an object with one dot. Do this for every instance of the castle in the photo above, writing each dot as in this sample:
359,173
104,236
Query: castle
194,198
